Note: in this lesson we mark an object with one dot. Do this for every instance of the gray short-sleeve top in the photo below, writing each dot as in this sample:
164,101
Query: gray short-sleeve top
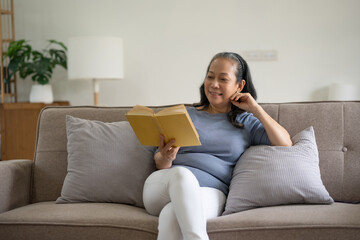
222,144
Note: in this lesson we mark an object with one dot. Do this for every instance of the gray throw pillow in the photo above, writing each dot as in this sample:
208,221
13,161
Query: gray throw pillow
273,175
106,163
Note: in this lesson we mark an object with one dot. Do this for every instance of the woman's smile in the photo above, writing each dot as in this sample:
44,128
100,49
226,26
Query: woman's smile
215,93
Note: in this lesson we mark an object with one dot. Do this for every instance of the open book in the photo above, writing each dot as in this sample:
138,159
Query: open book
172,122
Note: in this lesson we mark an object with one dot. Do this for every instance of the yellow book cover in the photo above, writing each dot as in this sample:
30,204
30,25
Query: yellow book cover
172,122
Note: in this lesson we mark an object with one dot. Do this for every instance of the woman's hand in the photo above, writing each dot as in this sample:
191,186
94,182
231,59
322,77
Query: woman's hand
166,154
247,102
278,135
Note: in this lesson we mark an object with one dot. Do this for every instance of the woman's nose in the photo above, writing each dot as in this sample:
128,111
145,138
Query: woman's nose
215,84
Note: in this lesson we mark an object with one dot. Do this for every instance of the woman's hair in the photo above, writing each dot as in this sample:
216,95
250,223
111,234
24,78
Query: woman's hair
242,72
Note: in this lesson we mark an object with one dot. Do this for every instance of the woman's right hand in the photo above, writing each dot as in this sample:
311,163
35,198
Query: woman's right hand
166,154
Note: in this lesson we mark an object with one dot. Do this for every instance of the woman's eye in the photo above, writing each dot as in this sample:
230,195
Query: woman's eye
210,77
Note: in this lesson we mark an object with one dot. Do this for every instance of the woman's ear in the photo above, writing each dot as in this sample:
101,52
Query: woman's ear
241,85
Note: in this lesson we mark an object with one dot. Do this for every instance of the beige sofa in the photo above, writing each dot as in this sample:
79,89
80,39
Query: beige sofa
28,189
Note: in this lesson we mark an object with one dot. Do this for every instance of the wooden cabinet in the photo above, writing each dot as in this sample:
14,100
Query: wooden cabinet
18,128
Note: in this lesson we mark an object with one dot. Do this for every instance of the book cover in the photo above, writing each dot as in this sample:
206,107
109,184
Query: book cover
172,122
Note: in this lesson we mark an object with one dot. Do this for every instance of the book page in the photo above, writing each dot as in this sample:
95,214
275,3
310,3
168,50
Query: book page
180,128
141,110
172,110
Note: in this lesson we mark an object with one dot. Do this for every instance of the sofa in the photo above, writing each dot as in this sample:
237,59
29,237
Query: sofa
29,189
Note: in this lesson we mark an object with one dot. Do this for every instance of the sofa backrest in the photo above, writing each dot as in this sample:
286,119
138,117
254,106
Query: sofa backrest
335,124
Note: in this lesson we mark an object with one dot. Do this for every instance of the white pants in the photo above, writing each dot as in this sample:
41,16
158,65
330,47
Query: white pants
182,205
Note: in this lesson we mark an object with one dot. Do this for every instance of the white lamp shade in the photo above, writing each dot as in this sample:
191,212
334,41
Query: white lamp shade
343,92
95,58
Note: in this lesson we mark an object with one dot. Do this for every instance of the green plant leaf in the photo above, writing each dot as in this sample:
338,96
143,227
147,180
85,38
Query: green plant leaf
40,78
37,55
26,71
18,48
58,43
37,64
58,57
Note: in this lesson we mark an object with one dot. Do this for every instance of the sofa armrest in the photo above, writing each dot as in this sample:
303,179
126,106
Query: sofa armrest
15,179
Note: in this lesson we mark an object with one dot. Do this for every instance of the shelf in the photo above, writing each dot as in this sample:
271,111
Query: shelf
6,12
9,94
7,40
8,91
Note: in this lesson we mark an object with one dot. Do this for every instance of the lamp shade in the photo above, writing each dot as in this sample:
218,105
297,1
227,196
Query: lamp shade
95,58
343,92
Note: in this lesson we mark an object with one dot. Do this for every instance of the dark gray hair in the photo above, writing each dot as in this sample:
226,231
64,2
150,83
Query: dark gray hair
242,73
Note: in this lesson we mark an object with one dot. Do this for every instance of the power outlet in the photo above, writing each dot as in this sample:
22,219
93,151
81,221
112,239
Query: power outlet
252,55
270,55
260,55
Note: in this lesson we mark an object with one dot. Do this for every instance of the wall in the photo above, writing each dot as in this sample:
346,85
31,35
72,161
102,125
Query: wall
168,45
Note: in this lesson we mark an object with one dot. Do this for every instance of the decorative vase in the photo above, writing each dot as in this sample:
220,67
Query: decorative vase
41,93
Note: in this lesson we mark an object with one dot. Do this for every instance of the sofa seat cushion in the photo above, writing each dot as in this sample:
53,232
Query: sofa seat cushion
336,221
47,220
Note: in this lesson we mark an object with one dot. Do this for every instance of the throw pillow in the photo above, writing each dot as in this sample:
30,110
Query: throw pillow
273,175
106,163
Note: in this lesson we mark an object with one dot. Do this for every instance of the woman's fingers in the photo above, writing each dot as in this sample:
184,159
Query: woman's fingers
173,152
169,144
243,97
168,151
244,101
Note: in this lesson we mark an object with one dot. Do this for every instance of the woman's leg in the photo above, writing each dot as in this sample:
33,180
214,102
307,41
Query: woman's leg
181,187
213,201
155,194
168,224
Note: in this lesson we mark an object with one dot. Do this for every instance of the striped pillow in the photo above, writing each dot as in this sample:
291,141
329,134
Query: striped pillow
106,163
273,175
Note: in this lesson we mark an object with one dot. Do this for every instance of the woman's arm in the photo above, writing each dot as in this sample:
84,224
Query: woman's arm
166,154
277,135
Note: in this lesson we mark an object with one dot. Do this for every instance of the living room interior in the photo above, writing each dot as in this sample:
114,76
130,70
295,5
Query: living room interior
168,44
304,60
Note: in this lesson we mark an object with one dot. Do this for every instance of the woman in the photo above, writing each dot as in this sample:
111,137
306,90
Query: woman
192,182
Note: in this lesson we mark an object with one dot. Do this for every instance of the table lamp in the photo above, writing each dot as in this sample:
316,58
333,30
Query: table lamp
95,58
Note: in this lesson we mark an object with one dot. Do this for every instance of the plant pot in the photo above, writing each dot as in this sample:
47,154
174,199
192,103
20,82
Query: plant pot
41,93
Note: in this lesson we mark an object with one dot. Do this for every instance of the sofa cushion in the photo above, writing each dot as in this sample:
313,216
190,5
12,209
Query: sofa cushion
106,163
310,222
273,175
47,220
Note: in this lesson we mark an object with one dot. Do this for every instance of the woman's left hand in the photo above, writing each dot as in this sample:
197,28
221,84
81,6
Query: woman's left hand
278,135
246,103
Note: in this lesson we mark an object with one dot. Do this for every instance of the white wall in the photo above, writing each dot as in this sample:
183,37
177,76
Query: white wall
168,45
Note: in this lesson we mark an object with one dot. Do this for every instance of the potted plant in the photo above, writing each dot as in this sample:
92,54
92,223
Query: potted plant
39,65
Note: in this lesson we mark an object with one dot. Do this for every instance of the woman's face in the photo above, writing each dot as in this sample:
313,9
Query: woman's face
220,84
